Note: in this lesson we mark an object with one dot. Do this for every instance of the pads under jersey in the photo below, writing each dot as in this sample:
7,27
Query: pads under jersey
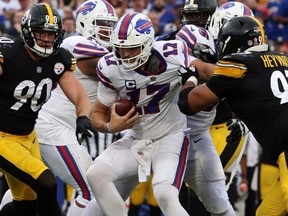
26,85
154,90
256,87
58,115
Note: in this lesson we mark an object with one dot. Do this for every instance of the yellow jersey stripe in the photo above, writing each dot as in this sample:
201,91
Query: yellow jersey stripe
230,69
1,58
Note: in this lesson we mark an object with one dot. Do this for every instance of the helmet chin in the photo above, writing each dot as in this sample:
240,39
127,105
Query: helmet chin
42,52
104,43
132,63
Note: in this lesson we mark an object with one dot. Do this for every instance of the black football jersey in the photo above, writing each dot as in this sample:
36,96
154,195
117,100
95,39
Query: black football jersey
223,112
26,85
256,87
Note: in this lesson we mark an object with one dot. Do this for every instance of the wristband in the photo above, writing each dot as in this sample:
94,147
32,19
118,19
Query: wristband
193,79
108,127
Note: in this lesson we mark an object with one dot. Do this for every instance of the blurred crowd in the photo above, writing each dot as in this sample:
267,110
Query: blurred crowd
163,13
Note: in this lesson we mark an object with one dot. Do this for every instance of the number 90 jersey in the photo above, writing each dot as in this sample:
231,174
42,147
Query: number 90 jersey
26,85
154,89
256,86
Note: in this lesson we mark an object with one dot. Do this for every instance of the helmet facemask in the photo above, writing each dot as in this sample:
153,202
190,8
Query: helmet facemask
198,18
49,47
129,64
101,30
197,12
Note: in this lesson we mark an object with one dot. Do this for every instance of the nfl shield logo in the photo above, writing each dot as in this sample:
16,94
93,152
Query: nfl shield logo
39,69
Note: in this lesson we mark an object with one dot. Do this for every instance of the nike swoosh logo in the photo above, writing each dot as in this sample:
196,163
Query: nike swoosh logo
196,141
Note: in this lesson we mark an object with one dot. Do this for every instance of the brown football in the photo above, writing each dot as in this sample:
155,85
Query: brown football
123,106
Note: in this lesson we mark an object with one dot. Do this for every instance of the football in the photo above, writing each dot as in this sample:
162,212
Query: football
123,106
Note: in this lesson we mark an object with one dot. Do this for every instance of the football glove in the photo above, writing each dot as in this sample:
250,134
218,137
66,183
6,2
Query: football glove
185,73
238,130
205,53
83,126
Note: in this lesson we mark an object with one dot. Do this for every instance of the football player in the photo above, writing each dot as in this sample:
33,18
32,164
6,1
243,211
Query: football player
254,82
204,174
230,151
55,126
145,72
29,69
202,153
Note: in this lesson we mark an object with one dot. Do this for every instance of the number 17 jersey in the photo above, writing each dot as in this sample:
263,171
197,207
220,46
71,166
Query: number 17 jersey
154,89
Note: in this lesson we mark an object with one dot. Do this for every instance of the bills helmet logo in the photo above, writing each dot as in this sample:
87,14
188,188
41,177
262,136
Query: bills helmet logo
86,8
143,26
227,5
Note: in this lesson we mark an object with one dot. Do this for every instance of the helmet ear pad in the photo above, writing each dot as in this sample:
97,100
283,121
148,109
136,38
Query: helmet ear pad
28,40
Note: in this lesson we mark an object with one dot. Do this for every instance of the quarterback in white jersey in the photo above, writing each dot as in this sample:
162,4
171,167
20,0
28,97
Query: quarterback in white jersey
145,73
204,173
56,123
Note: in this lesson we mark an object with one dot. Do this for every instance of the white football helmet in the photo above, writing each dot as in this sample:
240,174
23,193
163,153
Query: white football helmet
96,18
133,30
224,13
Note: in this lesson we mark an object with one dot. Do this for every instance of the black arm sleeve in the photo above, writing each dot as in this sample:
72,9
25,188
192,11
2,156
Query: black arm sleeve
183,102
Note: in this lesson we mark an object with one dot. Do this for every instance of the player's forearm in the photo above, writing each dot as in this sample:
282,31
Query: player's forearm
83,106
99,122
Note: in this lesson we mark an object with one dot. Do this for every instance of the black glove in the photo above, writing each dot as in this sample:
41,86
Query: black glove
185,73
238,130
205,53
83,126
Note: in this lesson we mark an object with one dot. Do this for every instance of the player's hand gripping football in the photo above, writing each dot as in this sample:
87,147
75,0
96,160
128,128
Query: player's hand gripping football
83,128
122,122
238,130
185,73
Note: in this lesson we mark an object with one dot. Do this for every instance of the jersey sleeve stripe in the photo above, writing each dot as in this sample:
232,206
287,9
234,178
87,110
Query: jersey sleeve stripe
83,49
187,36
103,79
185,51
230,69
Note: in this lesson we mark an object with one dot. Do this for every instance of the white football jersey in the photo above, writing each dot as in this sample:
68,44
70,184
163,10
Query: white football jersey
58,115
192,35
154,90
201,121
